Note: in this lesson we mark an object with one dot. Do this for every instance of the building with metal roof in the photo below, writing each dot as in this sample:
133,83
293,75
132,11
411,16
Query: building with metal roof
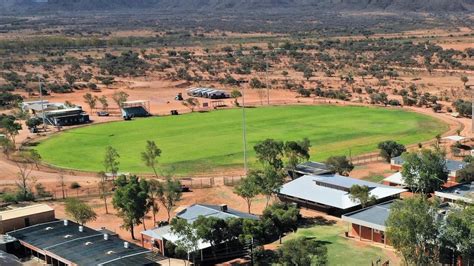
452,167
330,193
369,223
461,192
310,168
156,238
68,243
18,217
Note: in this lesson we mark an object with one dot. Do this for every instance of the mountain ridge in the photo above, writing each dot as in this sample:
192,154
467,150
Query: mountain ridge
212,5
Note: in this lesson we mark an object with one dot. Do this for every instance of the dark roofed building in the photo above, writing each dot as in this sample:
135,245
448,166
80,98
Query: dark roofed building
310,168
369,223
156,238
68,243
462,192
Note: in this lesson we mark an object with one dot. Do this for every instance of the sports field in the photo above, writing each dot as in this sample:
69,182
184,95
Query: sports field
210,142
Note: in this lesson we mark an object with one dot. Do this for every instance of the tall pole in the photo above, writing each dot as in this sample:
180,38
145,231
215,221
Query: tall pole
266,81
244,132
472,110
41,102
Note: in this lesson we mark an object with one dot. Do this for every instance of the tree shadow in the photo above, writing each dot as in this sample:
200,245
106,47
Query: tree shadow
312,221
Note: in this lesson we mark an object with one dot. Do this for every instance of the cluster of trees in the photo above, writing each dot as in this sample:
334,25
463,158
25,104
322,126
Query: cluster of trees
134,197
274,157
127,64
276,220
420,231
464,108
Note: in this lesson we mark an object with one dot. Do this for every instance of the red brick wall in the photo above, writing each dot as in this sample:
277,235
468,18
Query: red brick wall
366,233
158,245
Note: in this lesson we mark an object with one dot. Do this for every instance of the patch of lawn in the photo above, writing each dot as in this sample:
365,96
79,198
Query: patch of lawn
373,177
341,251
204,142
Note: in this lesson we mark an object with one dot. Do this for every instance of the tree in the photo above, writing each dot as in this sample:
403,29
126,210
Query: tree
424,172
302,251
62,184
34,122
308,73
457,232
130,200
150,155
70,79
340,165
296,152
211,230
25,181
466,174
153,192
191,103
104,189
413,230
120,97
34,157
8,147
111,163
362,195
10,127
270,182
90,100
169,193
390,149
104,102
270,152
188,240
248,188
236,94
464,80
284,217
80,212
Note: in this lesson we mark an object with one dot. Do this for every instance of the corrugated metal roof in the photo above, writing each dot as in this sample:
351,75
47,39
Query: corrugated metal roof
24,211
451,165
194,211
306,188
373,217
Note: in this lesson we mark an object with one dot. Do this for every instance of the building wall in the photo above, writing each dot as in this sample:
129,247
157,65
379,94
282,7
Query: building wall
366,233
20,222
157,245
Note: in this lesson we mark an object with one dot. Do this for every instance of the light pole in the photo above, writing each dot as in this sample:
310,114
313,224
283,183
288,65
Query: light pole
266,81
41,102
244,132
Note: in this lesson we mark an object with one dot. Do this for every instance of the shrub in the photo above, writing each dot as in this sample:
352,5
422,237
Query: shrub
75,185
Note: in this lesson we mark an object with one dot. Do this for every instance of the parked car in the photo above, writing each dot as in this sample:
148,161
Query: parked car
103,113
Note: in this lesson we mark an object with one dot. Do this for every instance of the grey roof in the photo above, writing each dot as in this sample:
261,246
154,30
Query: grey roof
333,190
194,211
67,242
9,259
451,165
313,168
463,192
372,217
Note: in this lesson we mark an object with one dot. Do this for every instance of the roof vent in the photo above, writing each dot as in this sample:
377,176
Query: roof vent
67,236
81,228
66,222
223,207
110,252
106,237
48,228
88,243
126,245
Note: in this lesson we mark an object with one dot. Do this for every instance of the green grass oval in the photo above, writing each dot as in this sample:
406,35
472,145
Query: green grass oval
204,142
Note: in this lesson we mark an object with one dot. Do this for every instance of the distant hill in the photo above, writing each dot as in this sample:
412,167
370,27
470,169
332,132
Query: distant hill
212,5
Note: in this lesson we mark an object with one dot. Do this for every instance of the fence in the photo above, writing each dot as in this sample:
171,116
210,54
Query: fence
232,181
368,158
197,183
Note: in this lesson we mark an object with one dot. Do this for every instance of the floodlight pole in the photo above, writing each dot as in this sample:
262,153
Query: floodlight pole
41,102
266,81
244,133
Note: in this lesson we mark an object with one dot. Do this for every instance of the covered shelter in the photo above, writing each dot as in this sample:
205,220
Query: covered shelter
461,192
19,217
310,168
330,193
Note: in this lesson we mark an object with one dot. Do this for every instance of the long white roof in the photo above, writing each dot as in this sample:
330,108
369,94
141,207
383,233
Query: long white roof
332,190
